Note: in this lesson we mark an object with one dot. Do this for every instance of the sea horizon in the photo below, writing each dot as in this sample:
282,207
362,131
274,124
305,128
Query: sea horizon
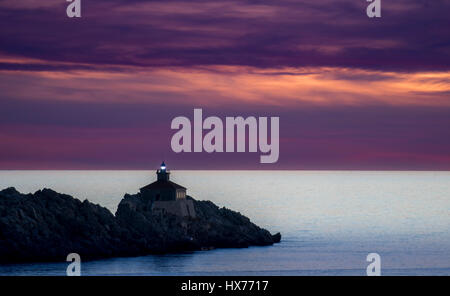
329,220
243,170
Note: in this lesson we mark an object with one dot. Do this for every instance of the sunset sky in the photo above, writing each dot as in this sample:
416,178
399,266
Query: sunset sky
100,91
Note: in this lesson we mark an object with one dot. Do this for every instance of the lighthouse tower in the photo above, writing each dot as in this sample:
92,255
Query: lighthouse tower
162,173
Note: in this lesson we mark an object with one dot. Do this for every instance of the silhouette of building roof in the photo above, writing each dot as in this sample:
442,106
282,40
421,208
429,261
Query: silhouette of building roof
162,184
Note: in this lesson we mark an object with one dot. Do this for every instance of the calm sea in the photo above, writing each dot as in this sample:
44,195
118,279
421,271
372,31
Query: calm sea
329,220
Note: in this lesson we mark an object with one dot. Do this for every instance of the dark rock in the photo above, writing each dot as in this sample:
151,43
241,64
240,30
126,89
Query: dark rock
47,226
276,237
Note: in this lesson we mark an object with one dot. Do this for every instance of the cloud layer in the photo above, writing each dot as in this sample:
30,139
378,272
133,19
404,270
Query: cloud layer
100,91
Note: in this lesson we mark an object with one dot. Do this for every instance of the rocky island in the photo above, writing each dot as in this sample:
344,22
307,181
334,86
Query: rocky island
47,226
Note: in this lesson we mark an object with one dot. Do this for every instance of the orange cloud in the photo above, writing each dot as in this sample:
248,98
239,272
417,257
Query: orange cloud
231,84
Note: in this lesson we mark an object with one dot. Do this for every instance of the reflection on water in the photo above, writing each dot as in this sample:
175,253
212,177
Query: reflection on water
330,221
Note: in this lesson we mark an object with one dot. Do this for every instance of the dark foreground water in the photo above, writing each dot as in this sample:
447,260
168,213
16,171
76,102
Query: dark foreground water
330,221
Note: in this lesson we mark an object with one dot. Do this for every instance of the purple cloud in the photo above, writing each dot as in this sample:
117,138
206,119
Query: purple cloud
410,36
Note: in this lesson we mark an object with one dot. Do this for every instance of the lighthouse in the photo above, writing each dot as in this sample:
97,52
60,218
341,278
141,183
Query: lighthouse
165,196
163,189
163,174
